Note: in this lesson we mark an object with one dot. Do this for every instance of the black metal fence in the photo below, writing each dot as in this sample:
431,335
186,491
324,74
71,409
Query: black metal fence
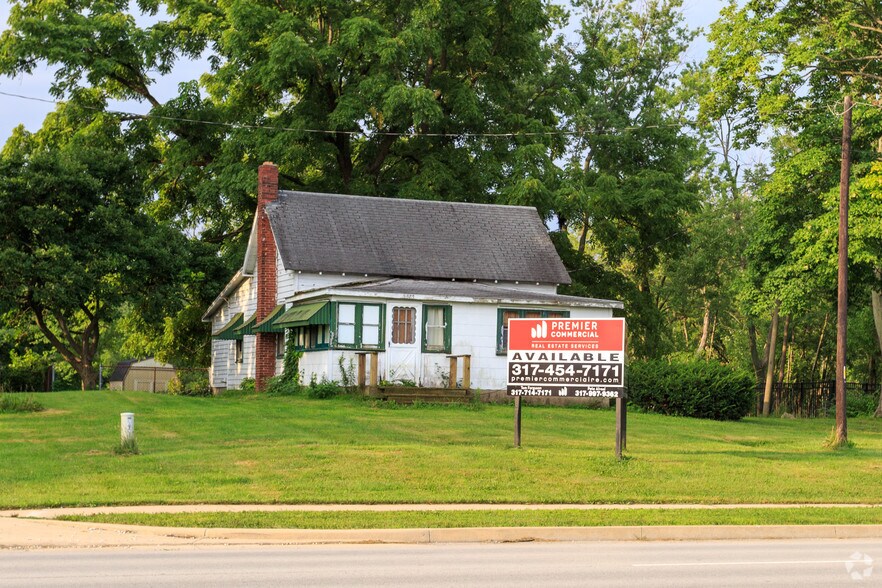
815,399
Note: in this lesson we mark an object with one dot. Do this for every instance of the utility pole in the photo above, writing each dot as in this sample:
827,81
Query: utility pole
841,436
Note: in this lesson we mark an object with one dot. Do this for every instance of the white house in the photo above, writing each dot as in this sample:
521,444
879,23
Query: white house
413,280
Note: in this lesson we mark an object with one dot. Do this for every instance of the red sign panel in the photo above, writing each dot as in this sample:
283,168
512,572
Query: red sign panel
566,357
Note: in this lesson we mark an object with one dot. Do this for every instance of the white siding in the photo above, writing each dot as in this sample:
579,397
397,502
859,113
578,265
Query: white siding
314,280
220,351
286,282
474,332
225,372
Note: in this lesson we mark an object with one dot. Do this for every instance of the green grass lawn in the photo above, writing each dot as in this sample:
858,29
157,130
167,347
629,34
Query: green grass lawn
296,450
496,518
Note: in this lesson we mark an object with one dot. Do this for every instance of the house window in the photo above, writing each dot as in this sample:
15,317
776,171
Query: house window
359,325
505,314
310,337
238,350
403,325
280,345
437,327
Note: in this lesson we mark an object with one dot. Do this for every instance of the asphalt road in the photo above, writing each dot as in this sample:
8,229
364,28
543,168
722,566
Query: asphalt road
710,563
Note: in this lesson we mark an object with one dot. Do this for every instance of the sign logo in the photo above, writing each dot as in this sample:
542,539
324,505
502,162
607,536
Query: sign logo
540,331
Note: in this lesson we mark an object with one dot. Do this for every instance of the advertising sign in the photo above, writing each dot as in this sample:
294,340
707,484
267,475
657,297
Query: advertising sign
566,357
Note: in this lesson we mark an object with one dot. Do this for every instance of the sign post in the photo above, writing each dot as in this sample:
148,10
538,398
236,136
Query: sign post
561,357
517,422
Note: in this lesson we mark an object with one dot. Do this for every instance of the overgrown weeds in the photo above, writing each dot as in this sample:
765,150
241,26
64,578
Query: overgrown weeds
15,403
126,447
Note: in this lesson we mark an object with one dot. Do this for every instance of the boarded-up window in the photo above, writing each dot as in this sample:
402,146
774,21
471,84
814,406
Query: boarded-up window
346,324
403,325
508,314
280,345
359,325
370,326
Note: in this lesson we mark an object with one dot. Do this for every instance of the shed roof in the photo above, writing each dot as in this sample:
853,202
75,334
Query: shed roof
475,292
413,238
120,371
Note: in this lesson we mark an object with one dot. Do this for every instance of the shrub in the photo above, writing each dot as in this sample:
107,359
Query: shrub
282,386
246,386
698,389
347,373
10,403
190,383
324,389
858,404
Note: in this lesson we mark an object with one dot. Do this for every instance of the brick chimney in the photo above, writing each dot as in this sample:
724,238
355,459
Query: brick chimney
267,191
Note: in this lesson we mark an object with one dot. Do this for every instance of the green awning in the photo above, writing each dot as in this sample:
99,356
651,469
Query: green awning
228,331
247,327
314,313
268,325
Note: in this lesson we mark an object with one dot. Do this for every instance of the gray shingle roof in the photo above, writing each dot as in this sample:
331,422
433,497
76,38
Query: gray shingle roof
413,238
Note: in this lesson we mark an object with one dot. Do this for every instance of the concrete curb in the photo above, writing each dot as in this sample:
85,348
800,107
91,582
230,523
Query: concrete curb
16,533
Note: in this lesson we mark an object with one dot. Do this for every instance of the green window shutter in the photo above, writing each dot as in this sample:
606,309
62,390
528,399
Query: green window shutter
448,328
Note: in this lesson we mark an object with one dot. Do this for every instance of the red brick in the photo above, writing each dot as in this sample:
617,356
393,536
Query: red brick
265,348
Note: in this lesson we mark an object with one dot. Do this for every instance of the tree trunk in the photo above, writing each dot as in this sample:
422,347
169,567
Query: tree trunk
88,377
876,300
583,239
705,329
713,334
820,344
758,364
770,362
785,342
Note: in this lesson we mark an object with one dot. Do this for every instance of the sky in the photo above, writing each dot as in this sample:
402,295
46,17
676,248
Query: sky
30,113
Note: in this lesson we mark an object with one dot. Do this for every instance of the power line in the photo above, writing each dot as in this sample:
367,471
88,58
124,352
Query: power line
557,132
243,126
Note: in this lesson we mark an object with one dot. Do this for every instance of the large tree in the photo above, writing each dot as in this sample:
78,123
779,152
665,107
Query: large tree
627,183
784,66
74,242
378,97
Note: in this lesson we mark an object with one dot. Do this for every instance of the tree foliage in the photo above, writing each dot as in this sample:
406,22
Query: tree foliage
75,243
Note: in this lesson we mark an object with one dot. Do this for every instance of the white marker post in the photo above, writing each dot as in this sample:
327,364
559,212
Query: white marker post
127,428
